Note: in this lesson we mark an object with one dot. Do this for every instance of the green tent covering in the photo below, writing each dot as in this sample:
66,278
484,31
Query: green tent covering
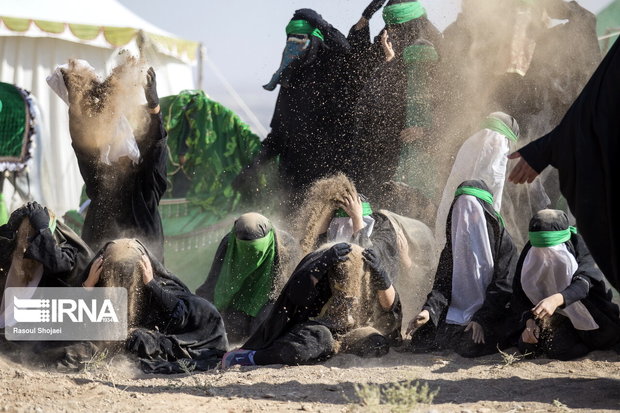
608,25
216,145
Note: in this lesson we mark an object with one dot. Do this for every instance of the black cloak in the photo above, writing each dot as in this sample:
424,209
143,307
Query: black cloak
63,254
300,301
499,290
587,286
125,197
584,148
179,331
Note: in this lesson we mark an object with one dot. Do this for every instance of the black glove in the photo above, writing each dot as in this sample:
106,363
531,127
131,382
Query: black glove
313,18
39,217
150,89
372,8
17,217
379,278
336,254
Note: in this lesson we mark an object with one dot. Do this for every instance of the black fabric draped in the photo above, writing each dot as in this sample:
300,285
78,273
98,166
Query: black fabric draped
125,197
584,148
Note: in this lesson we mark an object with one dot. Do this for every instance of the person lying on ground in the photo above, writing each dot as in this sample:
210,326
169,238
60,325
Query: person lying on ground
561,303
248,272
297,330
124,194
171,329
467,306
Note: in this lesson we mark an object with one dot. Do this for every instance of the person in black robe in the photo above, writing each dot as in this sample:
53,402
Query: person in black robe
304,115
291,334
171,329
125,196
240,317
473,284
376,78
36,250
43,241
584,148
562,306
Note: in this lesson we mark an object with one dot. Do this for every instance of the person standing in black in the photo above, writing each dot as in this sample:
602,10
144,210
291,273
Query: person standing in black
125,195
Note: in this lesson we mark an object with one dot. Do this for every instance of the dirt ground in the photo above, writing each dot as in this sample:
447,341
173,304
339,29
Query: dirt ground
483,385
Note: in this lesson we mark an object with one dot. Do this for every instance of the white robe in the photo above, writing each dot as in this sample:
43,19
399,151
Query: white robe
472,260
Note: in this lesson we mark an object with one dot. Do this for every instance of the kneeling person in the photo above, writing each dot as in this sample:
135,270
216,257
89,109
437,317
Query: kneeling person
171,329
473,285
247,273
561,300
312,320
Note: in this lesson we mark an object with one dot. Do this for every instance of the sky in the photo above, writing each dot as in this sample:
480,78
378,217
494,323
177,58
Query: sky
244,39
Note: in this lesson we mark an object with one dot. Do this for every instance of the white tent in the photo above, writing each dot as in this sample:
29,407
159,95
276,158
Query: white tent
37,35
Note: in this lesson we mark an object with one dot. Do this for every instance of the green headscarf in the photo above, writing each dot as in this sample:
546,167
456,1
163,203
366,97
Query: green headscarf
498,126
543,239
403,12
245,280
303,27
4,212
481,194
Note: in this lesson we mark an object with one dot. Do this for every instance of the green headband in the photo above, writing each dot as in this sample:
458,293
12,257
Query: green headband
366,210
303,27
420,53
403,12
543,239
500,127
481,194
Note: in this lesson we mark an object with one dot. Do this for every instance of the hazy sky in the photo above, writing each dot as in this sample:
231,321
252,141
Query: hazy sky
245,38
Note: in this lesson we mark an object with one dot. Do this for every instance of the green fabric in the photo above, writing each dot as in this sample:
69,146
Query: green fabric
246,276
219,146
366,210
481,194
12,122
4,211
543,239
303,27
403,12
608,22
419,61
420,53
498,126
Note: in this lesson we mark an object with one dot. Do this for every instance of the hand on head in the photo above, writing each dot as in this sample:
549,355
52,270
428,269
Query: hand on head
95,273
522,172
386,45
352,205
146,268
150,91
38,215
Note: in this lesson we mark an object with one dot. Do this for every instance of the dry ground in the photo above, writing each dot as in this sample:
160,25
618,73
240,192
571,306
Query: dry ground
487,384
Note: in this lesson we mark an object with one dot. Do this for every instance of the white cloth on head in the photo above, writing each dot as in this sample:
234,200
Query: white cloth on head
7,318
549,270
122,142
483,156
341,228
472,260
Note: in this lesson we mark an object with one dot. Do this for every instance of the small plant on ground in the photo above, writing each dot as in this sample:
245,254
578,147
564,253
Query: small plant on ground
397,397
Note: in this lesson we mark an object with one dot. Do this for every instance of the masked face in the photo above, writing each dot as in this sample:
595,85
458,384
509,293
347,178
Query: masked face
295,50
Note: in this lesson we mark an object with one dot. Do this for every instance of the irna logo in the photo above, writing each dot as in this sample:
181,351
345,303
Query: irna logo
62,310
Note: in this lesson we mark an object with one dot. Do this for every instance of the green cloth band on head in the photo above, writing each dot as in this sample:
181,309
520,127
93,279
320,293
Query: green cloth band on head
403,12
303,27
246,277
498,126
481,194
542,239
420,53
4,211
366,210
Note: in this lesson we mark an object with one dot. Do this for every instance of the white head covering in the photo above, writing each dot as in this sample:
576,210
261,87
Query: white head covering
472,260
549,270
483,156
122,142
341,228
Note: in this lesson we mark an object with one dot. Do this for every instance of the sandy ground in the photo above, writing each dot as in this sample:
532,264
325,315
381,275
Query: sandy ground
483,385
